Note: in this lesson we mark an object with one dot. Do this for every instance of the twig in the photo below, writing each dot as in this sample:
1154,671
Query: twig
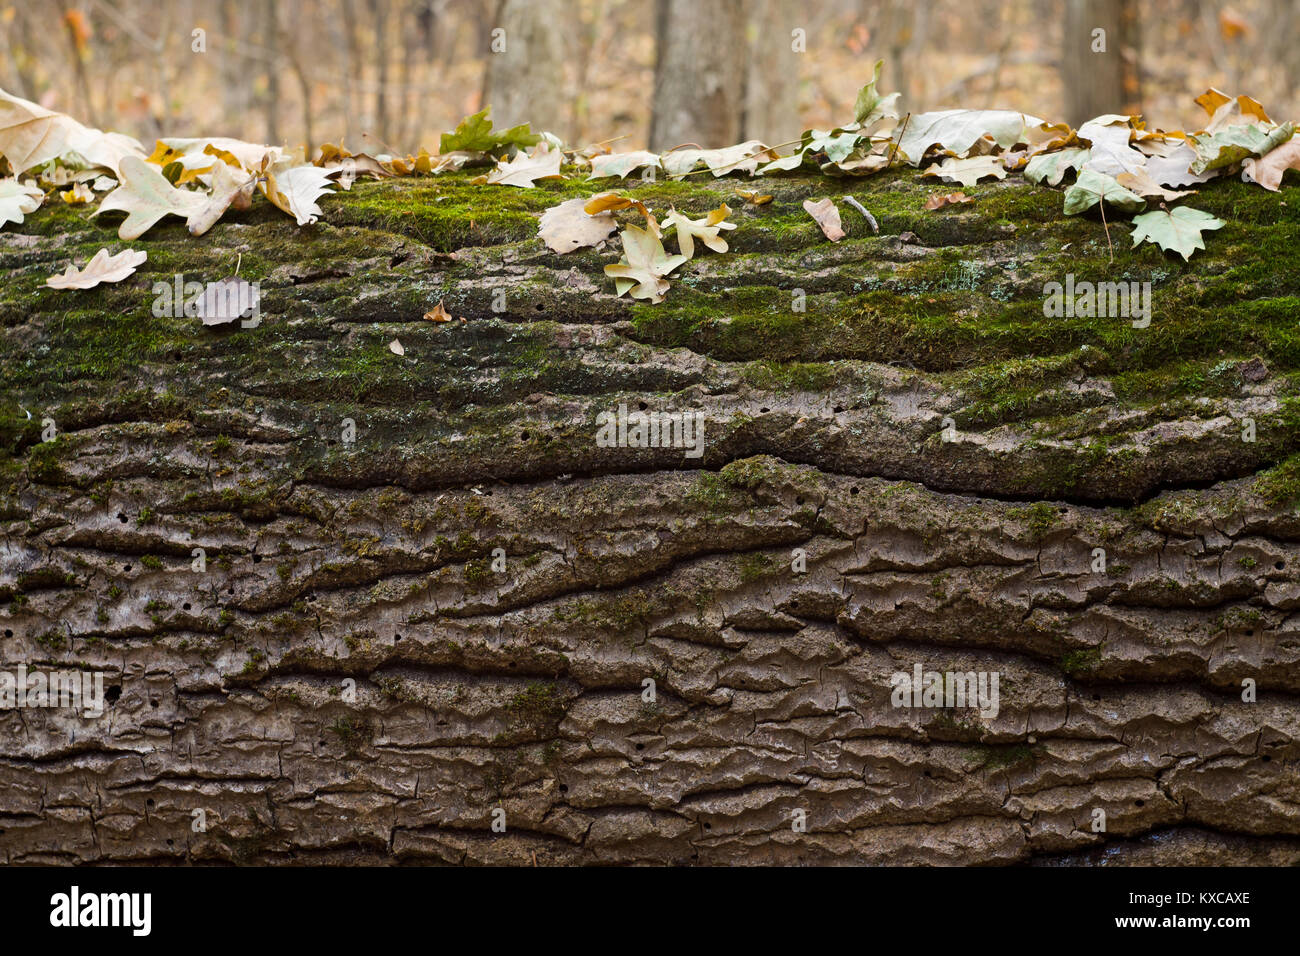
901,133
1102,204
871,220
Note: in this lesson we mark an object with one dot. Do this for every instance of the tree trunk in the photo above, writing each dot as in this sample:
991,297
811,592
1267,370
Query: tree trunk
669,659
525,81
1099,62
699,78
772,73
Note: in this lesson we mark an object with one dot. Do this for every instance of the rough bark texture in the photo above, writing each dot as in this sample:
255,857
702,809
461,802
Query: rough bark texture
523,690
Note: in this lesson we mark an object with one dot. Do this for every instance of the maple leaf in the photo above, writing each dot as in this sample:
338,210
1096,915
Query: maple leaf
1226,111
146,196
101,268
1178,230
871,107
1050,168
641,271
1173,168
1268,169
474,134
1141,183
706,230
620,164
1093,187
17,199
31,135
968,171
1232,144
957,131
542,163
569,226
827,216
1111,153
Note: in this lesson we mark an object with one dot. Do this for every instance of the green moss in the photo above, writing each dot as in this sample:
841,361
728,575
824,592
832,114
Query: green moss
1080,662
537,710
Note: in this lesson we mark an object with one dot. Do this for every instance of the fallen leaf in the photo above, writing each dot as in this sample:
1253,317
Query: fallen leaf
1141,183
475,134
101,268
396,347
1268,169
17,199
31,135
1048,169
753,197
145,195
1173,169
644,265
296,189
228,188
542,163
78,195
741,158
706,230
620,164
957,131
968,171
1093,187
229,299
827,216
1178,230
939,200
1233,144
1110,137
871,107
438,314
569,226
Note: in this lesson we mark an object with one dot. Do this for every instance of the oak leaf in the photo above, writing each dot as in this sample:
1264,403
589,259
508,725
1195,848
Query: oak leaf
101,268
31,135
145,195
706,230
968,171
542,163
17,199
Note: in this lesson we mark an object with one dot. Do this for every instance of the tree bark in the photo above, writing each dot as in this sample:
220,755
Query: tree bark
772,73
353,676
699,79
1101,80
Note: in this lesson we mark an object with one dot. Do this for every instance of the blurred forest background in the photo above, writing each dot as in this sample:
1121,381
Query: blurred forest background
390,75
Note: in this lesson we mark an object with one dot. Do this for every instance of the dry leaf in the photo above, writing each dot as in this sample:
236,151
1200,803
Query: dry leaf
706,230
753,197
227,300
438,314
643,266
78,195
827,216
17,199
1268,169
296,189
620,164
968,171
1141,183
146,196
569,226
939,200
229,187
396,347
31,135
542,163
101,268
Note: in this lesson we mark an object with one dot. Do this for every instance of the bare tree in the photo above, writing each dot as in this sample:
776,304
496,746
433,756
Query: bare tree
699,78
1099,61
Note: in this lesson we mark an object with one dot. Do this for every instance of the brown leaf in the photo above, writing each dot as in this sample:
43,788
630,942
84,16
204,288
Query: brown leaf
569,226
1268,169
827,216
438,314
939,200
